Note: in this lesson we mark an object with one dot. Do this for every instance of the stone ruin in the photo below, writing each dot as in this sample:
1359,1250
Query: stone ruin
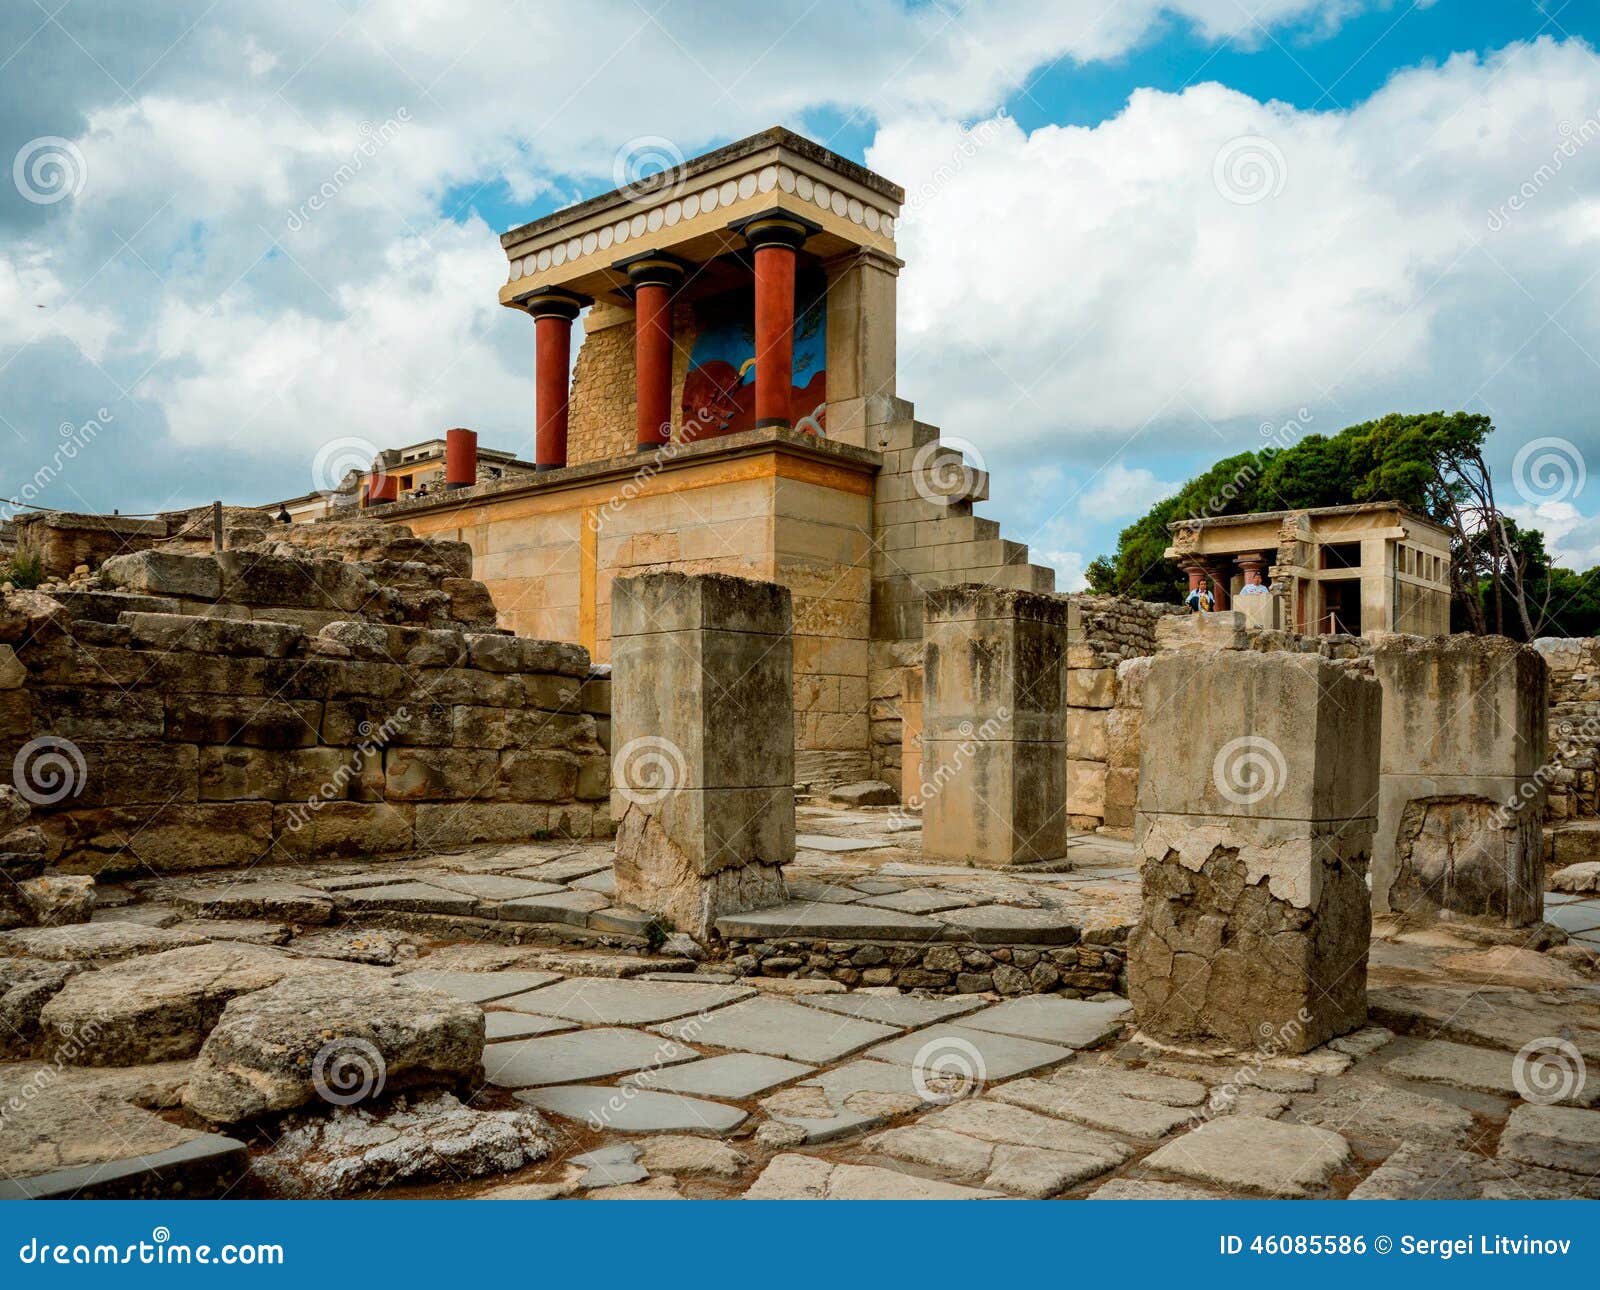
339,690
295,756
1256,801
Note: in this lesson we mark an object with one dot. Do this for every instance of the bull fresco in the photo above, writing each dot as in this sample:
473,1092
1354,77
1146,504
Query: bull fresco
719,391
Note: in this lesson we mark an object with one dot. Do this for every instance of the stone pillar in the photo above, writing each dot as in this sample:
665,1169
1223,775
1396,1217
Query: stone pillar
774,237
1460,799
1257,786
861,344
702,713
654,279
553,313
994,722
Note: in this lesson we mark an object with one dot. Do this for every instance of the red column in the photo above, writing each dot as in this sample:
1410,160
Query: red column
654,279
775,238
552,311
460,458
382,487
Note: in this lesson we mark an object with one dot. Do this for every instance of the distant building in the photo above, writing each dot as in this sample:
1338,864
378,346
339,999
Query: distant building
1355,570
417,470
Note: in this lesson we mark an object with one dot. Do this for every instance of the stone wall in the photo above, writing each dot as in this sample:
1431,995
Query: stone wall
169,727
1573,787
602,402
1104,634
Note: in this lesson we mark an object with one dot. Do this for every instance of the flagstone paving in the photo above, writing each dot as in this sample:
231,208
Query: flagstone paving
661,1076
779,1029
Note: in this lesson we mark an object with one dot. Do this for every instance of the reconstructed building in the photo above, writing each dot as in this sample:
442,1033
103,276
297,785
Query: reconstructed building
733,409
1330,570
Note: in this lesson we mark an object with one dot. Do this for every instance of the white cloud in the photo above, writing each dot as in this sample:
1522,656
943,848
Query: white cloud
1090,279
1123,492
1069,566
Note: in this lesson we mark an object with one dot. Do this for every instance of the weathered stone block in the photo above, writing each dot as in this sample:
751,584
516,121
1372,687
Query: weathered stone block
1254,825
258,723
321,830
259,638
1087,733
1461,793
162,839
994,726
164,573
703,764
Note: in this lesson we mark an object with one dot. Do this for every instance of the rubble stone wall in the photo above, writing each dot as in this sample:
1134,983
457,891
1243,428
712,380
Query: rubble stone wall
1573,785
1105,634
184,742
218,710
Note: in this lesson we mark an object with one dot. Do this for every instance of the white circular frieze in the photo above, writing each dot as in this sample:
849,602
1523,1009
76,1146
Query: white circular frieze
558,256
803,187
708,200
728,193
691,205
591,241
655,219
747,187
674,213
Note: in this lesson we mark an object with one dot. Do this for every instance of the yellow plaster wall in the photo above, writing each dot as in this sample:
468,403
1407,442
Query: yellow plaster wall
549,559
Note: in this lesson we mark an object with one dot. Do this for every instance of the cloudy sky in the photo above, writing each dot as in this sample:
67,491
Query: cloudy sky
1141,232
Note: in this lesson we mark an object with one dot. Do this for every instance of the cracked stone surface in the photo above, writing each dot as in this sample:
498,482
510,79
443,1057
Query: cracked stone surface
1048,1094
1251,1154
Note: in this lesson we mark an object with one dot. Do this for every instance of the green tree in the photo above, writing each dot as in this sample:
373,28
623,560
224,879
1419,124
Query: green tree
1432,462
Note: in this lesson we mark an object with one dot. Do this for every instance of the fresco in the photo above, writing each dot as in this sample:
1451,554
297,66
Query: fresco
719,392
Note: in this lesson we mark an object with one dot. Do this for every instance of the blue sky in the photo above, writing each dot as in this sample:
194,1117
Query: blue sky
1090,302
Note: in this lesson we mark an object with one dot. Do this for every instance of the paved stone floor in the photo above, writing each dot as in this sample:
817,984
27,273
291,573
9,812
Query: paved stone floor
659,1076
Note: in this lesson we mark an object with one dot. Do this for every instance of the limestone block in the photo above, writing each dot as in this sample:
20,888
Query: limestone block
1224,629
703,749
1264,735
1123,726
12,673
1087,733
162,573
1086,787
994,726
498,653
1254,826
210,635
1461,794
231,774
1091,687
339,1036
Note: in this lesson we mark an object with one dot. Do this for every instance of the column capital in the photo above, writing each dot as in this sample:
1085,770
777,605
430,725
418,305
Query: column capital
775,227
653,269
552,302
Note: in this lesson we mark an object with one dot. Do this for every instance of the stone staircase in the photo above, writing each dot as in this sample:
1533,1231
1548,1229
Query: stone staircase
925,533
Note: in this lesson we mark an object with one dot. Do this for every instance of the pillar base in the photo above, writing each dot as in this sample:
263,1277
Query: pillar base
552,466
